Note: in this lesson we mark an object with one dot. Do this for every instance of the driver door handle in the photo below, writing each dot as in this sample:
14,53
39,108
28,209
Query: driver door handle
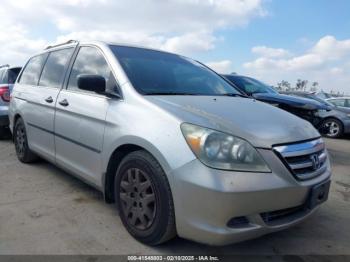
49,99
64,102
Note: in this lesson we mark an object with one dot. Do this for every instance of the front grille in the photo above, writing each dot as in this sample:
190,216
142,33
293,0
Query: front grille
284,215
305,160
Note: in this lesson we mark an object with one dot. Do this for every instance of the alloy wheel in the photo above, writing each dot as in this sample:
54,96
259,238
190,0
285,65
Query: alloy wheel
333,128
20,140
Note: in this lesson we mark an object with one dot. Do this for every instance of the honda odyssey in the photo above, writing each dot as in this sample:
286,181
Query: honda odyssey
175,146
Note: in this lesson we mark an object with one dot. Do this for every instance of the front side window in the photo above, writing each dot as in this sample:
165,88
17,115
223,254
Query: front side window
160,73
55,67
338,102
347,104
89,61
32,71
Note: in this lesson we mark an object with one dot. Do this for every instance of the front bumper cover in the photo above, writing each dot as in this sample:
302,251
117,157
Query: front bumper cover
207,199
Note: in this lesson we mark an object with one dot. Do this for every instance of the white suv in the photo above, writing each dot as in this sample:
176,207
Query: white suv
8,77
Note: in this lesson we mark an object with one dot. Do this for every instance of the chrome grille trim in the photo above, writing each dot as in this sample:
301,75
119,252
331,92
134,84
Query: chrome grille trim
305,160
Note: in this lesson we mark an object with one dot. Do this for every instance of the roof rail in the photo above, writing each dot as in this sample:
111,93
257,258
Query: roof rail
65,43
7,65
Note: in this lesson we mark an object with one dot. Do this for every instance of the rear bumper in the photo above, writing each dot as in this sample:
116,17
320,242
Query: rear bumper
4,120
208,200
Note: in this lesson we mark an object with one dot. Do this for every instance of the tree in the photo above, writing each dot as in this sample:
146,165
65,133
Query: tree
301,85
283,85
314,86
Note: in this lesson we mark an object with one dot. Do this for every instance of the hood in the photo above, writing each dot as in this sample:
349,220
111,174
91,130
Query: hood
261,124
291,101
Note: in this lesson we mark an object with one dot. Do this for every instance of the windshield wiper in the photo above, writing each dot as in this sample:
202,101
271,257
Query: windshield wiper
191,94
235,95
170,94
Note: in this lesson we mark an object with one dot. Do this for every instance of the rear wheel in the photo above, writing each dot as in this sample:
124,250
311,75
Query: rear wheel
24,154
333,128
144,199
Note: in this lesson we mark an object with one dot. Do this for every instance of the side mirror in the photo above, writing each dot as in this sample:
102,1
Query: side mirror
94,83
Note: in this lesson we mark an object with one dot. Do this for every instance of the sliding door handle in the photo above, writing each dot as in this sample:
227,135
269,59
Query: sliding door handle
64,102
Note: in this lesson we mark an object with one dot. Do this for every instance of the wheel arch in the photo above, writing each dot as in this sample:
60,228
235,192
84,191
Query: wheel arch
331,117
15,118
117,156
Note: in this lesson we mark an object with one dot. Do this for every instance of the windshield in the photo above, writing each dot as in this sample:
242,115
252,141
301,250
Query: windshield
250,85
159,73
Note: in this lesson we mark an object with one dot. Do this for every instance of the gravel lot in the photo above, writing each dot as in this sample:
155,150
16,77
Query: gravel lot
43,210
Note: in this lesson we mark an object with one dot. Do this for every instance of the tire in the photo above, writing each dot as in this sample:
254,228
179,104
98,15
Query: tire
144,199
333,128
24,154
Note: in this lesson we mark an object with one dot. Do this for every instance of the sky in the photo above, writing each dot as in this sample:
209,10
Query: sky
271,40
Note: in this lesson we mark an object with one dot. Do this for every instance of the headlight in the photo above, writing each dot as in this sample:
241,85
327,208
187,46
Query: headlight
219,150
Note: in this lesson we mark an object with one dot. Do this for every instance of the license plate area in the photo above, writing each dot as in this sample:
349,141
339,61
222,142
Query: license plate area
319,194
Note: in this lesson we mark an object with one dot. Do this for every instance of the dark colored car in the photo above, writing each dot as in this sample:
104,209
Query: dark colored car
336,121
305,108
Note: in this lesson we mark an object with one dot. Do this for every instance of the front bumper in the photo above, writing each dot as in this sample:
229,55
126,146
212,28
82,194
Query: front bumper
206,200
346,124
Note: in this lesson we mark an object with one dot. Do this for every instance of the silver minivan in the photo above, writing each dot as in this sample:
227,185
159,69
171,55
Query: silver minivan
178,149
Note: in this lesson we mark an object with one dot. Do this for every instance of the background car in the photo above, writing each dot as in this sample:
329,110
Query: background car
302,107
335,122
8,76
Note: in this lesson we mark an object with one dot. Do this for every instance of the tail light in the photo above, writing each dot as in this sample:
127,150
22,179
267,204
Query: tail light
5,93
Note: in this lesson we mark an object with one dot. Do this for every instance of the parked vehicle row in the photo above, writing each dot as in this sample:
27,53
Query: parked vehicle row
332,121
176,146
8,77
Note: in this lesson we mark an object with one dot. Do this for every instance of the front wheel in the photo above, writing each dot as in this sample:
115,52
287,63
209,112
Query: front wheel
333,128
144,199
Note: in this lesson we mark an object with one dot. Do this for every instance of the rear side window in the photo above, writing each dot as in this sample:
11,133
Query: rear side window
89,61
55,67
31,73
